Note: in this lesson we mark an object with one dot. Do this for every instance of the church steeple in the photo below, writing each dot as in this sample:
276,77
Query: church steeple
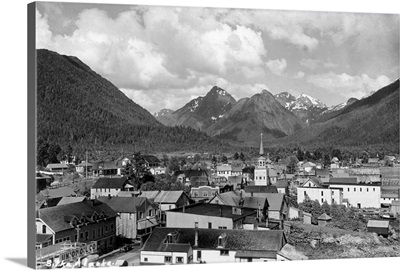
261,146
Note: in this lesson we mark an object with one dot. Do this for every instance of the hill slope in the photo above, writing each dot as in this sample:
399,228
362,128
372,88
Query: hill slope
77,106
370,121
261,113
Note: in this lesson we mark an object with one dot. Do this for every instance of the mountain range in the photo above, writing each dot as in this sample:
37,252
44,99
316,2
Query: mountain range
76,106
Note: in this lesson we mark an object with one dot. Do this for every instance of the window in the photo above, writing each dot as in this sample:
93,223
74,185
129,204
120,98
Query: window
195,194
354,189
224,252
93,234
168,259
348,189
105,229
112,227
222,227
87,235
140,215
199,255
322,200
209,225
81,236
305,193
146,259
322,193
150,212
76,238
360,189
373,189
44,229
98,232
179,259
333,192
367,190
205,193
196,224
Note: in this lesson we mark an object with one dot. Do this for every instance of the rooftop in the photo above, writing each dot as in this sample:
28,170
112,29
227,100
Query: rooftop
240,240
106,182
215,210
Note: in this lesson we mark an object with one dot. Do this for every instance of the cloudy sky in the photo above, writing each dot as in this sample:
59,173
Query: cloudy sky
162,57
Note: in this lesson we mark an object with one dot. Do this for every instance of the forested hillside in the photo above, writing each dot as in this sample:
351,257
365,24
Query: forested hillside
78,107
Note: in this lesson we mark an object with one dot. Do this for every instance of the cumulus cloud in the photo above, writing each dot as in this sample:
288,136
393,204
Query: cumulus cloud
160,48
277,66
299,75
347,85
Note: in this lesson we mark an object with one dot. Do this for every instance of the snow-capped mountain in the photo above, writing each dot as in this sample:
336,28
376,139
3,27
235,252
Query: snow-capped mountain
163,113
339,106
305,107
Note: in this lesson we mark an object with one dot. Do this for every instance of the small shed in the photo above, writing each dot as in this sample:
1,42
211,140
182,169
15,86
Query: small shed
306,218
395,207
380,227
323,219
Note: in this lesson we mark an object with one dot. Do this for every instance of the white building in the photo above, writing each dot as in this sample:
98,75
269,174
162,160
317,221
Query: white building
192,245
261,170
315,191
224,170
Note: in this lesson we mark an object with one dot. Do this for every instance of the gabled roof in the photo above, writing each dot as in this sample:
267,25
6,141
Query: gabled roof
83,164
228,198
248,170
151,195
55,217
314,181
106,182
127,204
308,164
169,196
57,166
272,173
260,189
224,167
275,201
41,238
240,240
105,165
324,216
249,220
56,193
255,202
237,167
68,200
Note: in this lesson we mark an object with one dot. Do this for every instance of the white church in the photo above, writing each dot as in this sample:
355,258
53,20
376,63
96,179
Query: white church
261,171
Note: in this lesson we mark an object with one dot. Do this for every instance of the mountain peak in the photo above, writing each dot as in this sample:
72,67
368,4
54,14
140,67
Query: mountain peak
218,90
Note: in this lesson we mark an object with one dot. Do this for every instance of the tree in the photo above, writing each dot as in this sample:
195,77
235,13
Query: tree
337,153
173,165
291,164
236,156
242,157
224,159
364,156
327,160
300,155
53,151
197,158
42,158
165,160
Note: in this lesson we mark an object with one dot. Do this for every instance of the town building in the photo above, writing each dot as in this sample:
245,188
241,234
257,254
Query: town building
83,222
106,186
380,227
105,168
51,196
224,170
261,177
57,167
209,216
203,193
312,189
137,216
84,167
195,245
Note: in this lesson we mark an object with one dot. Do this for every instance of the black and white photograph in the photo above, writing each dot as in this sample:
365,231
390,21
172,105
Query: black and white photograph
175,135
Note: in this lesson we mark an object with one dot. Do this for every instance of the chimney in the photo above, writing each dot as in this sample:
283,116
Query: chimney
196,235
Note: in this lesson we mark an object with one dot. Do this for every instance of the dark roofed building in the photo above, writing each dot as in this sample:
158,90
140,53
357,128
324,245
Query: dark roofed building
214,245
57,167
261,189
343,180
106,186
151,161
85,221
380,227
198,181
105,168
52,196
137,215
